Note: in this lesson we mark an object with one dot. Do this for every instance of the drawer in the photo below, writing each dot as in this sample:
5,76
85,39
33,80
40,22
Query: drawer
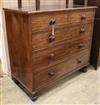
42,40
82,16
41,21
45,77
53,55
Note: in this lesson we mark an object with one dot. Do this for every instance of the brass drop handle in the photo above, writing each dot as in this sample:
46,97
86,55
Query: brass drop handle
81,45
51,56
51,73
82,30
52,21
52,36
83,17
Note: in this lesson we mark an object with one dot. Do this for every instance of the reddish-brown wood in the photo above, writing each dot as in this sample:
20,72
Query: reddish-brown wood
35,58
43,59
41,21
40,39
50,75
95,57
95,53
19,43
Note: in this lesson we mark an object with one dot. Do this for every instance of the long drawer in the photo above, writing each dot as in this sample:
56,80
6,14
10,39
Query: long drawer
41,40
50,75
41,21
52,55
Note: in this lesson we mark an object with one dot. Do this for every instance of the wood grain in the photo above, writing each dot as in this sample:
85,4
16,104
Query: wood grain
43,59
43,78
33,56
19,47
40,40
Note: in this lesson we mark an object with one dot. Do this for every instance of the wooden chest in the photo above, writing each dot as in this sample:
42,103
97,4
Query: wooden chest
45,46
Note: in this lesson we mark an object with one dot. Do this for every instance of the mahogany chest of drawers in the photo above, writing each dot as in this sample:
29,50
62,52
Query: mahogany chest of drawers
45,46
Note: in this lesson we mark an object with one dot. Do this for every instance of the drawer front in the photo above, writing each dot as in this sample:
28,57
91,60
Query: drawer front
43,39
82,16
42,21
52,55
45,77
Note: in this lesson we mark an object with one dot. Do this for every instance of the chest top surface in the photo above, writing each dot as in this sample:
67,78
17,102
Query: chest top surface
45,8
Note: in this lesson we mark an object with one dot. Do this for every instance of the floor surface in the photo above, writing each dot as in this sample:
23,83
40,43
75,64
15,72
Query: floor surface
79,88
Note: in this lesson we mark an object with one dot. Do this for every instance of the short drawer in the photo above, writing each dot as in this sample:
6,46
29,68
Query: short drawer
42,21
82,16
54,54
45,77
42,40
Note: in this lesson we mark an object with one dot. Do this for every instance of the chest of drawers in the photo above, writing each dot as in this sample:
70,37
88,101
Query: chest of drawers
45,46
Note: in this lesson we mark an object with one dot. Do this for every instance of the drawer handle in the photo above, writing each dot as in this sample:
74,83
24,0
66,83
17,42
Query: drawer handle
51,73
81,45
82,30
79,61
51,56
51,38
83,17
52,21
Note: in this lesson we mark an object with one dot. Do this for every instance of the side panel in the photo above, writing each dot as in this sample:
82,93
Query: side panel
19,43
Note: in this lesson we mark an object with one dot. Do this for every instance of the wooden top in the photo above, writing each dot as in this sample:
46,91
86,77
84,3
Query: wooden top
44,8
